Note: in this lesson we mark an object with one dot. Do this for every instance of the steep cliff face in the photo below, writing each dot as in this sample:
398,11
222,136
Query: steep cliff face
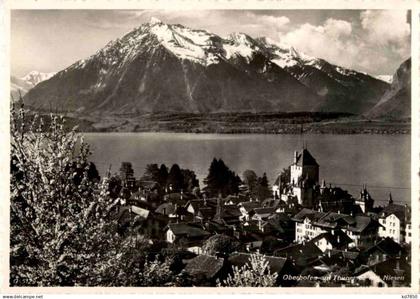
396,102
160,67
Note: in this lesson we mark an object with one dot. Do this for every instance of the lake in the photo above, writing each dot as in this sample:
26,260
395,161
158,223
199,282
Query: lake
380,161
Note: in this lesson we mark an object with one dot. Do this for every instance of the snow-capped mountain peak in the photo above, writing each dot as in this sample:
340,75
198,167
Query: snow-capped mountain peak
34,77
154,20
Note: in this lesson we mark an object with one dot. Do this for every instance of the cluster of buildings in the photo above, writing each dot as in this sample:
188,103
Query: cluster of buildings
311,234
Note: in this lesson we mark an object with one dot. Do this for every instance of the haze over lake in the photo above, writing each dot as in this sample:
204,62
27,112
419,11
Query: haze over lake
380,161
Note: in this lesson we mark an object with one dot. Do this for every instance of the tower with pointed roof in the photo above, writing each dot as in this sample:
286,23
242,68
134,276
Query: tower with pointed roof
304,174
365,201
304,167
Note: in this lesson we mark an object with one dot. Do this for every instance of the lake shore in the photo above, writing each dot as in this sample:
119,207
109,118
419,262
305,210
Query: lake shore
238,123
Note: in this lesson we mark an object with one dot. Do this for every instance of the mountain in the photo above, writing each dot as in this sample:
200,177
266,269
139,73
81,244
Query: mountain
385,78
160,67
25,83
396,102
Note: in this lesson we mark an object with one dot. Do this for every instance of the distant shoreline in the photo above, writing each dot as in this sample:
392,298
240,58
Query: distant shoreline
238,123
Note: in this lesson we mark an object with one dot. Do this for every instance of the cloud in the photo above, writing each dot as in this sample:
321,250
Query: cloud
380,38
337,28
327,41
268,20
387,28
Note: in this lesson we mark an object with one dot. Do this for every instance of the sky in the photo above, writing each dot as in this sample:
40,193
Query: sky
373,41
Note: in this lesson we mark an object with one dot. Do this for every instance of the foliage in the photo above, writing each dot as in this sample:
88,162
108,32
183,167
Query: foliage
221,180
220,244
285,176
61,232
258,187
255,273
263,190
176,179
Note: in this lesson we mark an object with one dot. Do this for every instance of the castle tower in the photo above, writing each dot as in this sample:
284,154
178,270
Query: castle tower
304,166
304,174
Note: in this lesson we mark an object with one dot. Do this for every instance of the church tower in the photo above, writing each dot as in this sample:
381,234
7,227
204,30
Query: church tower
365,201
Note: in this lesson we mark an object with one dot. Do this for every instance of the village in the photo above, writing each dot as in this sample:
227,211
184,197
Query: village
311,233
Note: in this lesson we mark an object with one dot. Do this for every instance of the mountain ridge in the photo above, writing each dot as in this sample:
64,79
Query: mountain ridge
172,68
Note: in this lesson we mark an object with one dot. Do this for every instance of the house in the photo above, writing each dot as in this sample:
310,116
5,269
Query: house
302,255
174,212
305,225
206,269
393,219
334,239
193,206
383,250
390,273
141,220
227,214
247,209
262,214
186,234
363,231
280,225
368,278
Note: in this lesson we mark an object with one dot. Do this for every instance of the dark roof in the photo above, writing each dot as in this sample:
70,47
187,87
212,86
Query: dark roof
397,210
207,265
307,213
347,254
387,246
307,250
305,158
206,212
231,211
362,222
187,229
236,199
265,211
250,205
336,238
147,184
275,263
201,203
166,208
388,269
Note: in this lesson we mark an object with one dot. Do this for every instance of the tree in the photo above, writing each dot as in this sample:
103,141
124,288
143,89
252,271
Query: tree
285,176
221,180
61,232
163,175
175,178
249,178
263,190
151,173
255,273
189,179
220,244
